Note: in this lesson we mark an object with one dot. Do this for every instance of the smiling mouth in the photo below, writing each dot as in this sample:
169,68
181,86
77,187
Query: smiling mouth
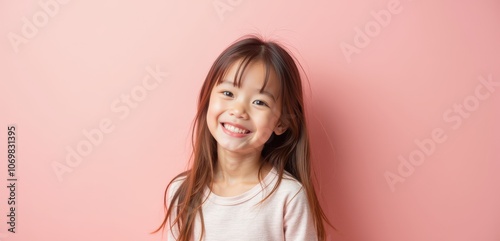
234,129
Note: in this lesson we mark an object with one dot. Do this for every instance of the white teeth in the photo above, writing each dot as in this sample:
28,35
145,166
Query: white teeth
234,129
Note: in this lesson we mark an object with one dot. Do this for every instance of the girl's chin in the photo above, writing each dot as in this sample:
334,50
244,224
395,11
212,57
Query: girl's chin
243,148
232,146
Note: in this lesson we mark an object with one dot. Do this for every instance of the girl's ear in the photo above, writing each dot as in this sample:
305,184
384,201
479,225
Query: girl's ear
279,129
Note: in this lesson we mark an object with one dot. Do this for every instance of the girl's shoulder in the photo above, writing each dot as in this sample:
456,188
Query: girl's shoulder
289,184
175,183
288,191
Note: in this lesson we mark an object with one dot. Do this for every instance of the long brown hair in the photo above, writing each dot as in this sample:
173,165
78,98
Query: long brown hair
286,152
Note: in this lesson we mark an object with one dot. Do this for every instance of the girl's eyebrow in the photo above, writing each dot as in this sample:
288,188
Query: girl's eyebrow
226,82
267,93
262,92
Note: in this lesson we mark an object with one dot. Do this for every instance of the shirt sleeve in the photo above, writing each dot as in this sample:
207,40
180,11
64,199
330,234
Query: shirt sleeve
298,220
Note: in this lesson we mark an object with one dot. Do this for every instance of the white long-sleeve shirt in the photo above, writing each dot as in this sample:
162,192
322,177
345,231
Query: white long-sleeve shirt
285,215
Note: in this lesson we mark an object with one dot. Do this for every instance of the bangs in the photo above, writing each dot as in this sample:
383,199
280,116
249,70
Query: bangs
243,63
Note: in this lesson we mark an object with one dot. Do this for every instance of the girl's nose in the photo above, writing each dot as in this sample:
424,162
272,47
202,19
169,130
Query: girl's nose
238,111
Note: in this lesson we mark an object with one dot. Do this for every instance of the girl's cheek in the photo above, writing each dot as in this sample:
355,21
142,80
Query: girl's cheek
272,117
215,107
216,104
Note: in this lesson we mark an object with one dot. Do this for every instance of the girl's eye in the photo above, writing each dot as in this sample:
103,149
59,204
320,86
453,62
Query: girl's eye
259,102
227,93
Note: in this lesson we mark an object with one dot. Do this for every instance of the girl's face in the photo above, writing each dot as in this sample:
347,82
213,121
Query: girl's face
242,119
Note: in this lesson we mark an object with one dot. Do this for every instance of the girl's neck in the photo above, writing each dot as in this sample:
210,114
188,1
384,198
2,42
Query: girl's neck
238,168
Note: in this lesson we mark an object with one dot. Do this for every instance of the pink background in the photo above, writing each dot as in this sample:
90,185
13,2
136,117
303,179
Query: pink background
404,81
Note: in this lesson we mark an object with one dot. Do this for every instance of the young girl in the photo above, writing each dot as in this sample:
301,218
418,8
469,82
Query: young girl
250,175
